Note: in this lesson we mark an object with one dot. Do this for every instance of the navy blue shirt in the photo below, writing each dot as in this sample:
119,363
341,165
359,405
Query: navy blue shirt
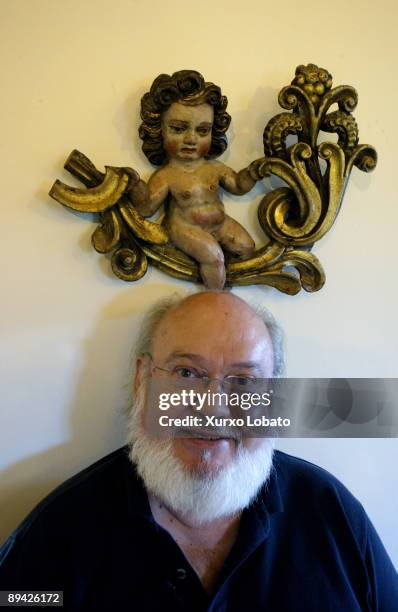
305,545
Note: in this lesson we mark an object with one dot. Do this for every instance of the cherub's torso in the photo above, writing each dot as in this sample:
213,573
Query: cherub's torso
194,194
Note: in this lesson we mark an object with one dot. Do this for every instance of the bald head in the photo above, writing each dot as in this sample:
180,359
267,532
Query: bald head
223,306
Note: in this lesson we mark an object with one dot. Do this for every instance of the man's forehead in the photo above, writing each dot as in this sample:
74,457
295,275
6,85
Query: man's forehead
207,324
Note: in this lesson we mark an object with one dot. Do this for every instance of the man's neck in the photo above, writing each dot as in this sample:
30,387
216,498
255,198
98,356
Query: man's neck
205,546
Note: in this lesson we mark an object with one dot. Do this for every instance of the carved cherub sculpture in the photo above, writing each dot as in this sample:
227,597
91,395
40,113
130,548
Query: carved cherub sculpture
183,129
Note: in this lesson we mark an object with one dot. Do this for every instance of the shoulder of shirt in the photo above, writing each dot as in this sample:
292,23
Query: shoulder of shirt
300,472
89,485
308,487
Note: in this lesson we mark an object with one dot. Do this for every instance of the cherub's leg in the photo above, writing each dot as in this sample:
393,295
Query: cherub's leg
204,248
235,238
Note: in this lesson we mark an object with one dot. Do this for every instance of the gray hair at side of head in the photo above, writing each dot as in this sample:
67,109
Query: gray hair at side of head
158,310
151,322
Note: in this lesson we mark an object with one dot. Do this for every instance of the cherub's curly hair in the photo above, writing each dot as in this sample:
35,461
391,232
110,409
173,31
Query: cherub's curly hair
190,88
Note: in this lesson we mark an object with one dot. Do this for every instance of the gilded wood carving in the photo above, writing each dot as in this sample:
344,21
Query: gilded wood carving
184,121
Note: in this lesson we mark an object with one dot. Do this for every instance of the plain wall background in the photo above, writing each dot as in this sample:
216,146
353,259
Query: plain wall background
72,77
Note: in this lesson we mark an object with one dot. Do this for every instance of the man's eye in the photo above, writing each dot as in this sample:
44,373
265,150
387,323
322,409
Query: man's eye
185,372
241,381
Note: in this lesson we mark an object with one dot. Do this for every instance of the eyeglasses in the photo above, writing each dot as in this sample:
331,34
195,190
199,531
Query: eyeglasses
186,374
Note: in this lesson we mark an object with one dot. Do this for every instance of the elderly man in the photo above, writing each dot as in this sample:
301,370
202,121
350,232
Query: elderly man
202,522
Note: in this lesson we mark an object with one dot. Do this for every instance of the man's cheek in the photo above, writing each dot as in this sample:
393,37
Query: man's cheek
164,403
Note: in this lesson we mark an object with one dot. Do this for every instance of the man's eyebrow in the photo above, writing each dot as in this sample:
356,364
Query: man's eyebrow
246,364
251,365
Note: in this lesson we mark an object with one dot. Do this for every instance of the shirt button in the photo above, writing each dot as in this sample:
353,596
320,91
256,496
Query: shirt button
181,573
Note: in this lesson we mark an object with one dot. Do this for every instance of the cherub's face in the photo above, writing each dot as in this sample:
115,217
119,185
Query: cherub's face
186,131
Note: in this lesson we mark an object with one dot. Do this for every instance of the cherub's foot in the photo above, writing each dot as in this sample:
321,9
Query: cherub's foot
246,251
213,275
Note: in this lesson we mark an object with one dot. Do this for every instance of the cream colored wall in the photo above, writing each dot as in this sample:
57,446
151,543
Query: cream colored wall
72,77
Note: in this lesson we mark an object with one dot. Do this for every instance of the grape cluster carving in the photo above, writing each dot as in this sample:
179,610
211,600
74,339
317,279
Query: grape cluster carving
314,81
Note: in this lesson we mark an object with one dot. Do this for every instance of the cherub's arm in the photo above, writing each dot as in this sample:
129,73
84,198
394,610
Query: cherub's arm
147,197
239,182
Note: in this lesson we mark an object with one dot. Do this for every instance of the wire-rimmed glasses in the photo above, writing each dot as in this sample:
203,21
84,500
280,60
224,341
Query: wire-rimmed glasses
190,375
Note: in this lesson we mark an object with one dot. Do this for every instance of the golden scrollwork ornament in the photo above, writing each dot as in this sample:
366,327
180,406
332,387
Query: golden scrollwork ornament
183,130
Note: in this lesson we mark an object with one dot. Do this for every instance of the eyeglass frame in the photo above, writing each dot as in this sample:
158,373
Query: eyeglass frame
208,379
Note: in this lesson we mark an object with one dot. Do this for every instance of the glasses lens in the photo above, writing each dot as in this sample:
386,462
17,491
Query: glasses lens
247,384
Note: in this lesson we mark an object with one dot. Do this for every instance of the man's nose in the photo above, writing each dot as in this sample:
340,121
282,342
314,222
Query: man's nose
217,399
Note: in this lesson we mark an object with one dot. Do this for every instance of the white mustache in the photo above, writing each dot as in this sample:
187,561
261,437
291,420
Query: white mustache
200,432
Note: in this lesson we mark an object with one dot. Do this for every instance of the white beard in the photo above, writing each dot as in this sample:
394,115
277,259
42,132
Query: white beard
202,497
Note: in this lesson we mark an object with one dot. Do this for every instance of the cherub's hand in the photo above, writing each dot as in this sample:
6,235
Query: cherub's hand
254,168
134,177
